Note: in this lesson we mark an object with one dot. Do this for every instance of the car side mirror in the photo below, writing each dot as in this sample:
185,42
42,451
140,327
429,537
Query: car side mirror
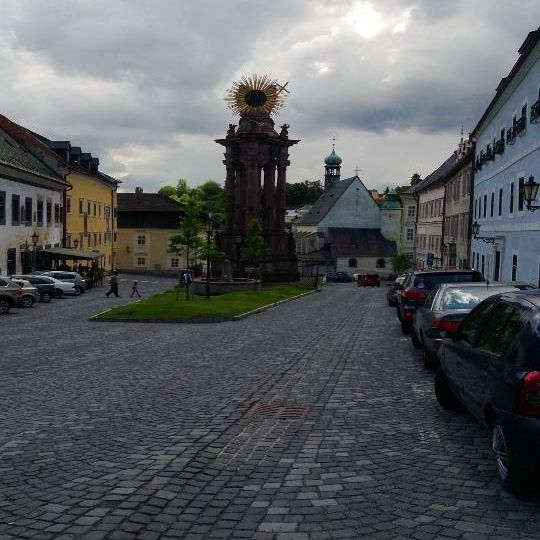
399,286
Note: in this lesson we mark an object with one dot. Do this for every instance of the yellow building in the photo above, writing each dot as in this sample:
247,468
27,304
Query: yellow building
90,205
146,221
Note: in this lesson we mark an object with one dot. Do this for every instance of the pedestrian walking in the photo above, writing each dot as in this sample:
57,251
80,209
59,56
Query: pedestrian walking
114,285
135,289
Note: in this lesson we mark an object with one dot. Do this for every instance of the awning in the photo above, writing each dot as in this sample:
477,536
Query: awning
70,254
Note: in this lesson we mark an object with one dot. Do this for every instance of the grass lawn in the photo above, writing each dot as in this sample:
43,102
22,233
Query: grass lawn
164,306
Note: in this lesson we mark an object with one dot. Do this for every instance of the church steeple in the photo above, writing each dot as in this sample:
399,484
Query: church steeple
332,168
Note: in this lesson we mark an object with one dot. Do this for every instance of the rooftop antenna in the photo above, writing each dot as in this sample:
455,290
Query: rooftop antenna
357,170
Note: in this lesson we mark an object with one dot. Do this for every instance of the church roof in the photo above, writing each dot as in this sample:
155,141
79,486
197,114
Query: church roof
333,159
325,202
348,242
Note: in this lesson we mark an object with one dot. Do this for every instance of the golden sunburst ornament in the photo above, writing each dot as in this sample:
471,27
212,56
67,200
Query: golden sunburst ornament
257,94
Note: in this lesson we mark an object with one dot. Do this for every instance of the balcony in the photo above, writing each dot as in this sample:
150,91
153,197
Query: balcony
489,155
535,112
521,125
510,135
498,147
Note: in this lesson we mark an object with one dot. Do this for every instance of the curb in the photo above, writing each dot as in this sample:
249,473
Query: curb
206,320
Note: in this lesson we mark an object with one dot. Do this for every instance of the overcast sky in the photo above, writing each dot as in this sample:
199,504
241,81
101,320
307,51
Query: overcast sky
141,83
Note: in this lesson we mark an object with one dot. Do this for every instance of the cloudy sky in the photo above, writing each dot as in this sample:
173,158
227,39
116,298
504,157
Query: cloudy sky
141,83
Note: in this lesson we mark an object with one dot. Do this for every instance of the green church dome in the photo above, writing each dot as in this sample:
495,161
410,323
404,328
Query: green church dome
333,159
392,201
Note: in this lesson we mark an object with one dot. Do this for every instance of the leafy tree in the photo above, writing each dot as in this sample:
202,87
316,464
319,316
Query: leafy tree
212,196
300,193
188,239
254,248
400,263
175,192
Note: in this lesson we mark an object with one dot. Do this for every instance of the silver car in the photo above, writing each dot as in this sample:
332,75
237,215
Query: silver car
30,294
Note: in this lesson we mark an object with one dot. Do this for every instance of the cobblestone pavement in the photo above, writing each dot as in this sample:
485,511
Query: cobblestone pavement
314,420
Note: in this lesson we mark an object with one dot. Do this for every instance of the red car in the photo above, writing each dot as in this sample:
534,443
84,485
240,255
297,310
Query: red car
369,280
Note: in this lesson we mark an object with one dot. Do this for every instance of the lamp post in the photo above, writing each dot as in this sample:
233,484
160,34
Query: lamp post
476,230
35,238
209,230
530,191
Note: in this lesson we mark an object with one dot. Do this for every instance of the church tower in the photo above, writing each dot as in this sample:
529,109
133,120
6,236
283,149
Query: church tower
332,169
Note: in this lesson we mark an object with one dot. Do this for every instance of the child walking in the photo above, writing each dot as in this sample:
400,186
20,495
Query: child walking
135,289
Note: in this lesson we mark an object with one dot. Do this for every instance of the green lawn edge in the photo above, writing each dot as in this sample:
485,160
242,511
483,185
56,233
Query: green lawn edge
164,307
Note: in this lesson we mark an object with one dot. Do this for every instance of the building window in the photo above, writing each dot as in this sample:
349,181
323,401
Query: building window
81,207
28,210
492,204
514,266
95,239
95,209
2,207
483,261
40,212
99,209
175,262
141,239
49,212
475,208
381,263
68,204
500,201
81,240
141,261
411,211
520,194
352,263
15,209
512,198
410,234
485,205
88,208
68,240
57,213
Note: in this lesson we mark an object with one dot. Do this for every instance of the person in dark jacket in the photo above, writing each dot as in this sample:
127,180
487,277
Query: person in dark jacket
114,285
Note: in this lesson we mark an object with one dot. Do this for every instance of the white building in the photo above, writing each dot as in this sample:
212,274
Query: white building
30,202
507,247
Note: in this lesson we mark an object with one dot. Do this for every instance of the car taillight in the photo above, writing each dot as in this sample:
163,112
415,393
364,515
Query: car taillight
414,294
449,326
529,394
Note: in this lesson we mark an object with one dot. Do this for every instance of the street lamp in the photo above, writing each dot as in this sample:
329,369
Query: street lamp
476,230
35,238
209,229
530,191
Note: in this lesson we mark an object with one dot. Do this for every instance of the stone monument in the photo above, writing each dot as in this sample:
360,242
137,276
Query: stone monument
256,160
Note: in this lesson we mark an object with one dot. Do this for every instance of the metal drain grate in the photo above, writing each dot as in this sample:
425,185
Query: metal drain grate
268,410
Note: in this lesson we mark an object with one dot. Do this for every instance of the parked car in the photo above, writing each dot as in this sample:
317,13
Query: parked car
30,294
10,295
445,307
44,285
419,284
491,365
63,287
370,280
394,289
338,277
70,277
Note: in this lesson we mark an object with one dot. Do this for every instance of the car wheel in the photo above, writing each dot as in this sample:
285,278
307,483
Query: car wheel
45,297
398,313
4,306
80,289
27,301
443,392
416,342
511,476
58,293
405,327
76,291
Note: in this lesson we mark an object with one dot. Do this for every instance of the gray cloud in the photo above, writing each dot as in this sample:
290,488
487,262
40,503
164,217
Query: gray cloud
141,83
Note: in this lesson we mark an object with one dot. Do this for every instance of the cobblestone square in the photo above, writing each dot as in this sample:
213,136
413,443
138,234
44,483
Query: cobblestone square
313,420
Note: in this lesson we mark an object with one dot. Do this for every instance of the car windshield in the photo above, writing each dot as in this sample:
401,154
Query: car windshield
429,281
468,298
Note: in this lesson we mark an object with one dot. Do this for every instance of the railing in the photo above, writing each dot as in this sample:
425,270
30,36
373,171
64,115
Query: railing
498,147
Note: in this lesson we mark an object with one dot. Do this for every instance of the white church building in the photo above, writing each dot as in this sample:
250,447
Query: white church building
346,230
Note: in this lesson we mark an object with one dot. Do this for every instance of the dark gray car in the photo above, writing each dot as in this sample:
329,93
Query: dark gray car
10,295
445,307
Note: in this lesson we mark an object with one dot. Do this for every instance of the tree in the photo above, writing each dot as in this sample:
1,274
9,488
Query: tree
212,196
188,239
175,192
400,263
300,193
254,248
